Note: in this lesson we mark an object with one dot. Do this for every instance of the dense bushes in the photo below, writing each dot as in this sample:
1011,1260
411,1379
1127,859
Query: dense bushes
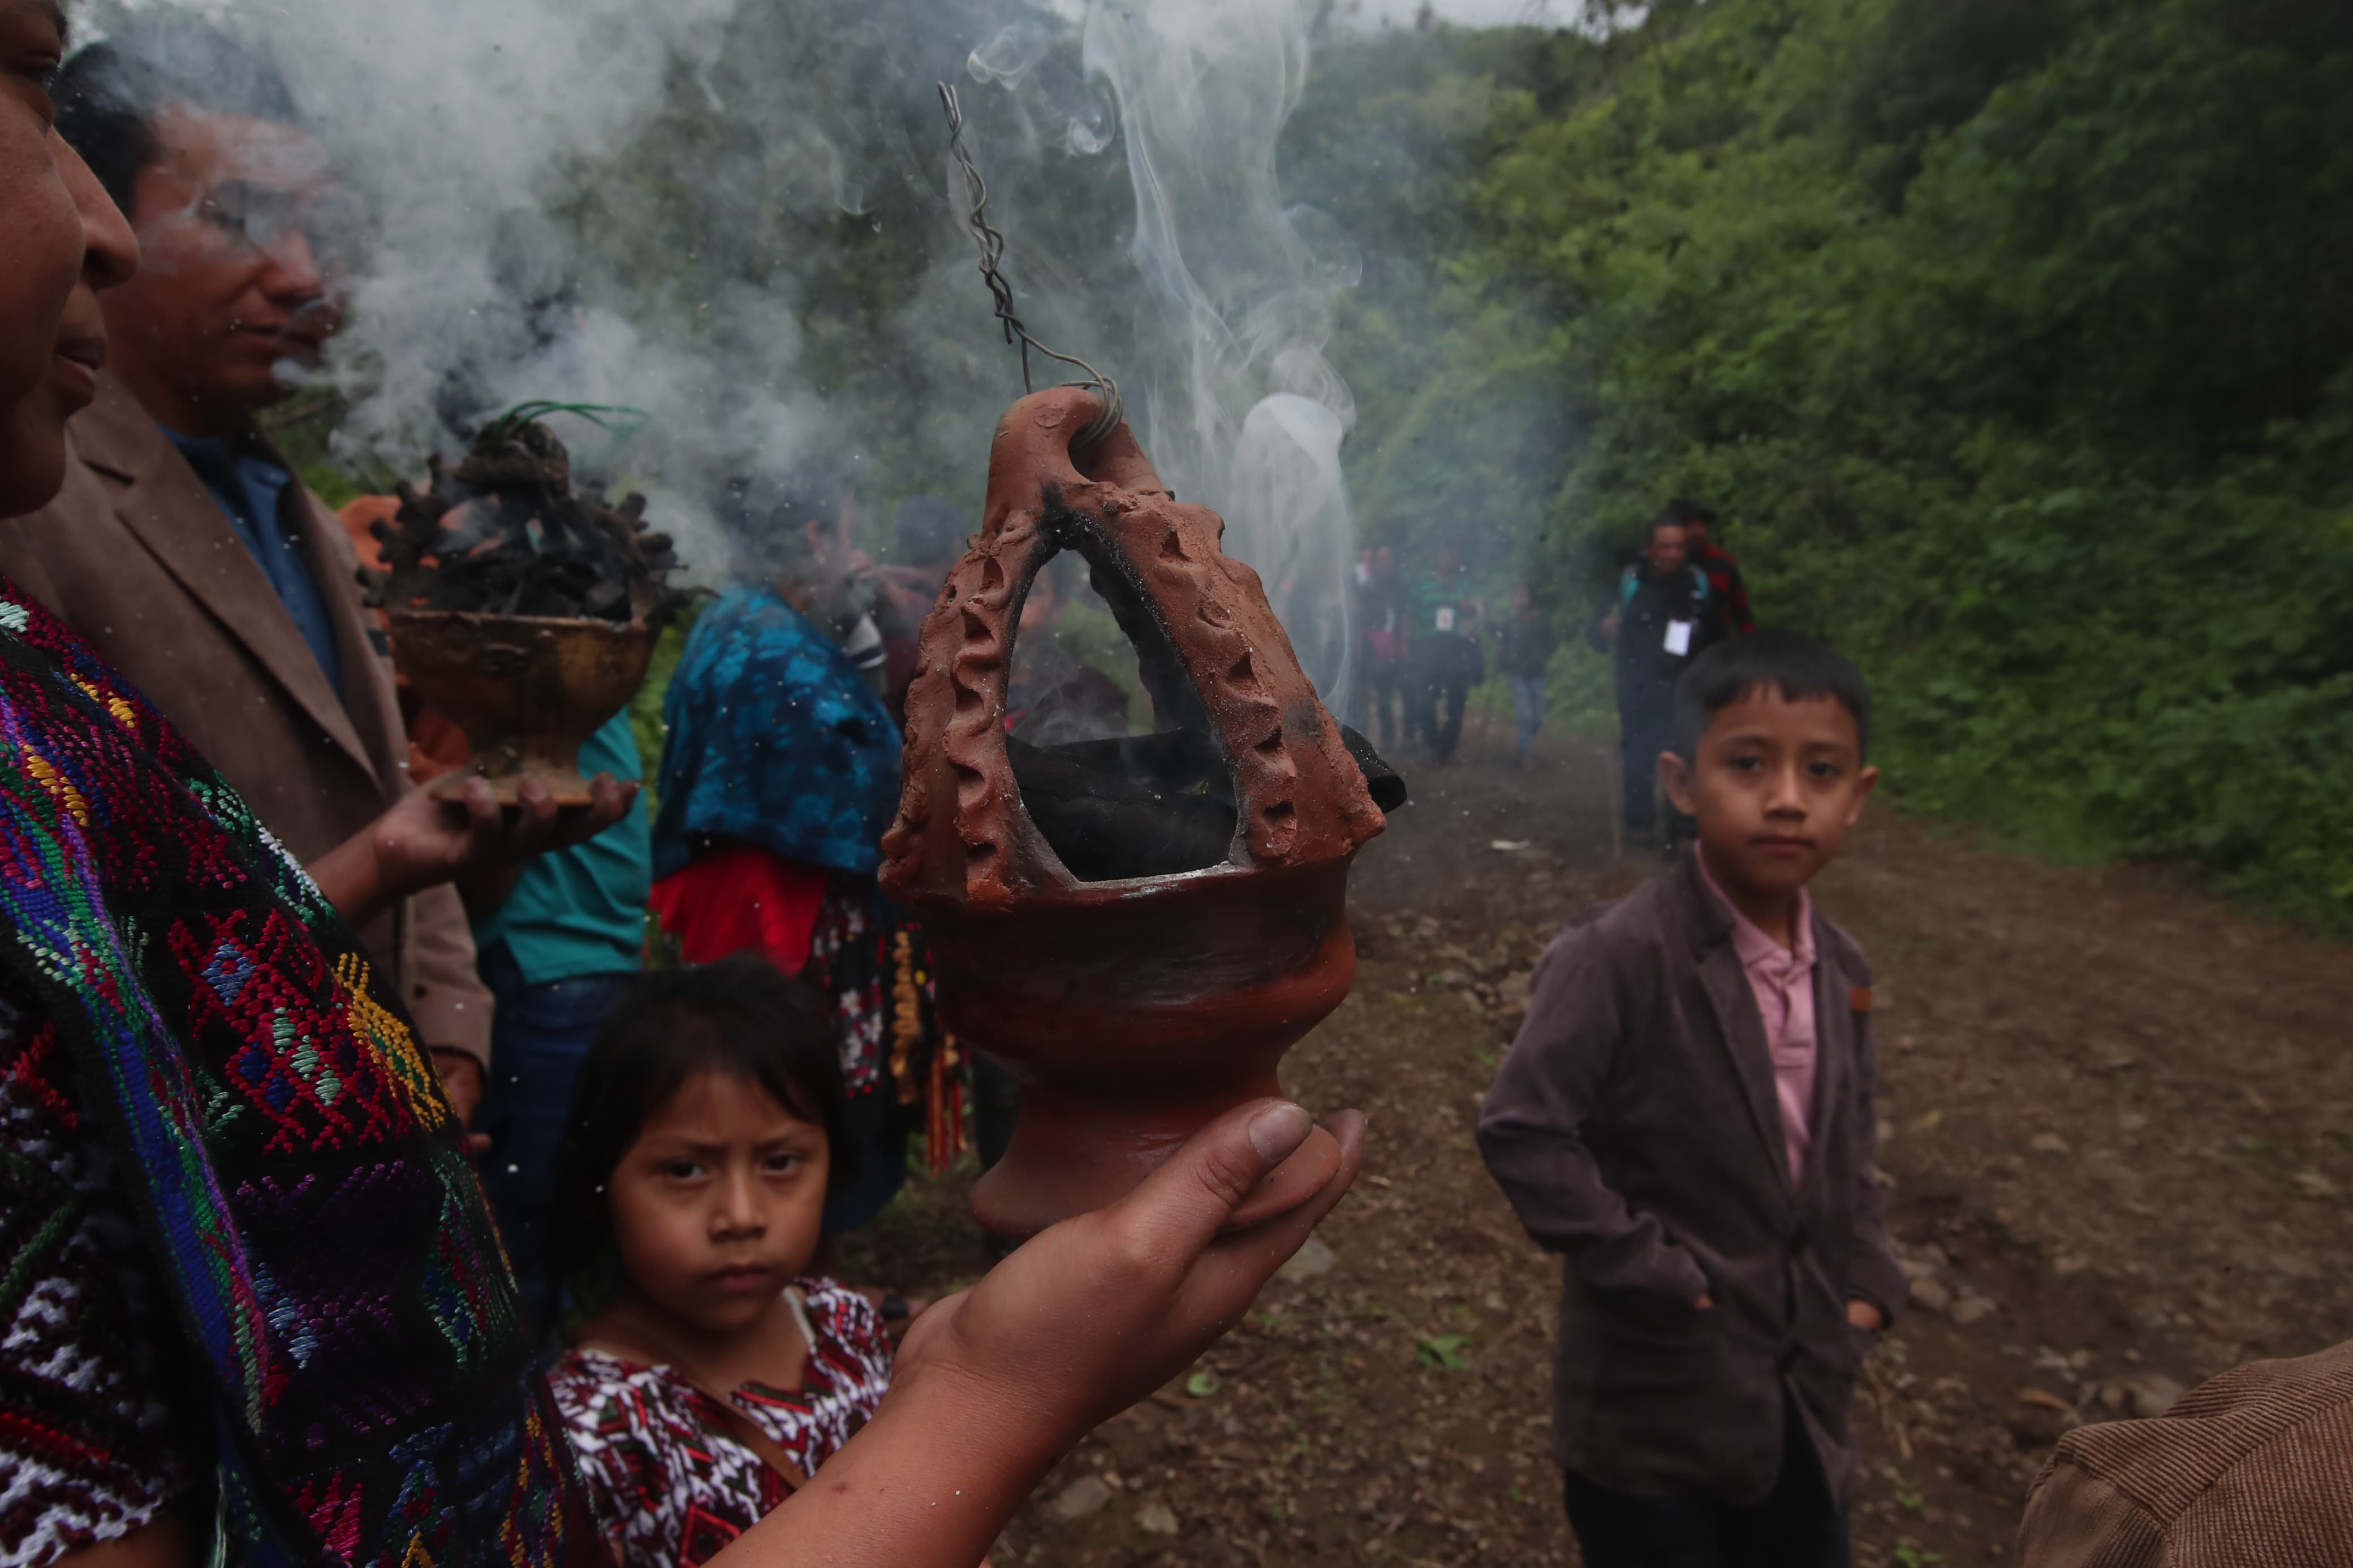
2013,337
2017,345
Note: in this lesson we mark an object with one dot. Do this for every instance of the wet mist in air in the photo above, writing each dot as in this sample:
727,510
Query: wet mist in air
738,217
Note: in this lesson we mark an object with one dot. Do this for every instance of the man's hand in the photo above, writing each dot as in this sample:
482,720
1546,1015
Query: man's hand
461,1080
422,841
1610,623
1096,1312
1706,1304
1863,1315
995,1384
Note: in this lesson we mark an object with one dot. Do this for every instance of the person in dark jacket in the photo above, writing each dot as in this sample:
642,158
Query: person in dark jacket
1688,1116
1658,622
1523,649
1443,660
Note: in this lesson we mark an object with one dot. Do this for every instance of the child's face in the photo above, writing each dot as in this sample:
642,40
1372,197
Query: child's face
1775,785
715,1207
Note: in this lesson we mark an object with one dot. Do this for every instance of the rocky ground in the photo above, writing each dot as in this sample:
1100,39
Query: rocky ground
2117,1130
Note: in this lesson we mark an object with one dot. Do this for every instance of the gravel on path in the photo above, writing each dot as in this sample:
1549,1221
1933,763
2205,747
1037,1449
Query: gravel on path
2118,1134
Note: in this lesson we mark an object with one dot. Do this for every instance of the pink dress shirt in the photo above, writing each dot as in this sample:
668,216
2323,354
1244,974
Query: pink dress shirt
1782,980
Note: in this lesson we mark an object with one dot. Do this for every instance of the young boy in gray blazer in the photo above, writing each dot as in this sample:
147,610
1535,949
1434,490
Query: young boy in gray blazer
1687,1115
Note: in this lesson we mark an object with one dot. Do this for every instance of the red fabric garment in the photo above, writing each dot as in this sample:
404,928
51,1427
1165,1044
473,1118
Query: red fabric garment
1730,592
738,896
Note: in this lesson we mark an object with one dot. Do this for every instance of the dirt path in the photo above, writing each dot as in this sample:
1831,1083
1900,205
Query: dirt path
2118,1123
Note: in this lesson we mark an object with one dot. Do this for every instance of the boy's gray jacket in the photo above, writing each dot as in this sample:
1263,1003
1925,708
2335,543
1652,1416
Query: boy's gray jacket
1635,1128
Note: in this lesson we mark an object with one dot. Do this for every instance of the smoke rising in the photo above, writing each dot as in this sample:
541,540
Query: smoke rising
1240,409
736,216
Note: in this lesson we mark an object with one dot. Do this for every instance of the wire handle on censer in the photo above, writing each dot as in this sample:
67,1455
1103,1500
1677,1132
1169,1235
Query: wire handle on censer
991,242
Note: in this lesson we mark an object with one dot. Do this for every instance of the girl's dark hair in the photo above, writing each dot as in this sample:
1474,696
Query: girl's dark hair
741,1016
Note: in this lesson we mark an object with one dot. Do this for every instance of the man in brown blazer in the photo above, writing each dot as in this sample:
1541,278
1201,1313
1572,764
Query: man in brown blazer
2253,1468
135,554
185,550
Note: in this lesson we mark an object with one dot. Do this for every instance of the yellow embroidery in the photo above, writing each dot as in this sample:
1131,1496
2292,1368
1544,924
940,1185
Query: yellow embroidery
124,714
379,1024
51,781
906,1018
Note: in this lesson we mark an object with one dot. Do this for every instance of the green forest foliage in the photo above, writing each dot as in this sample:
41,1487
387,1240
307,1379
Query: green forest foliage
2014,339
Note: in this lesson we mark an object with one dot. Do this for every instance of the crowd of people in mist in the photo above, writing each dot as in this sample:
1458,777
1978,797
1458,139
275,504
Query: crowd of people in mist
394,1178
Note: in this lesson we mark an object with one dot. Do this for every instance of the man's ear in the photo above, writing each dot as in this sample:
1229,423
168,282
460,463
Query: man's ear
1676,778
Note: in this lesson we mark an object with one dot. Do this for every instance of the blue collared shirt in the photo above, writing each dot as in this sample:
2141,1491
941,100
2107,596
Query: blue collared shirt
250,487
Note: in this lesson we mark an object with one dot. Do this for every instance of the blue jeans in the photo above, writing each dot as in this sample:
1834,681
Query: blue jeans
1527,707
538,1037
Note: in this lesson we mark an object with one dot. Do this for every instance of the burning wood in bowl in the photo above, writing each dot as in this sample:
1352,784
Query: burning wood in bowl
504,532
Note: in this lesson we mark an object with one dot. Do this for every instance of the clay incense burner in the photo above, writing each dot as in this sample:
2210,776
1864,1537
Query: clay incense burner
1138,1006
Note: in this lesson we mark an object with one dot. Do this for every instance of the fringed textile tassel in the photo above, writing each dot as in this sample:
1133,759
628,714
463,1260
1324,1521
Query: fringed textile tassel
942,1097
944,1139
906,1015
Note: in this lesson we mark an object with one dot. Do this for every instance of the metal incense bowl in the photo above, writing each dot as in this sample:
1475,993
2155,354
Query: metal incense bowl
528,691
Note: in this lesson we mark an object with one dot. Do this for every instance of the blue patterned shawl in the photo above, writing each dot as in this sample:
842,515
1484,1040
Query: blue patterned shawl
775,739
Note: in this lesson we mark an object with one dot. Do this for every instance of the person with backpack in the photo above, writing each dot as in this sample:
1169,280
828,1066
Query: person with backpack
1662,617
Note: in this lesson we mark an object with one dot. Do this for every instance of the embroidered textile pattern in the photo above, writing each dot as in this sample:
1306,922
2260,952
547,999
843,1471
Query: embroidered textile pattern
868,960
914,1020
668,1481
283,1140
845,963
89,1426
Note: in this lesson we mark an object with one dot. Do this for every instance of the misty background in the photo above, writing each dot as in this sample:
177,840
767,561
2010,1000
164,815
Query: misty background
2010,337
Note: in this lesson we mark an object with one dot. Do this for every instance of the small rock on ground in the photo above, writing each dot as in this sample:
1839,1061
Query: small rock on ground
1082,1497
1309,1262
2153,1395
1972,1310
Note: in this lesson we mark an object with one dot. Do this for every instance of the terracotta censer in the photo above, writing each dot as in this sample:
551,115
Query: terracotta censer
1138,928
522,612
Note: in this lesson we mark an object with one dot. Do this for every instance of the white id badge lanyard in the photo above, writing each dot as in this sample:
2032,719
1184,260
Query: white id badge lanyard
1679,633
1445,618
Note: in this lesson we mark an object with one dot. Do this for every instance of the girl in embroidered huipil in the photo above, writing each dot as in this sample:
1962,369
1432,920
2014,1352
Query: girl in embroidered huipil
709,1379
